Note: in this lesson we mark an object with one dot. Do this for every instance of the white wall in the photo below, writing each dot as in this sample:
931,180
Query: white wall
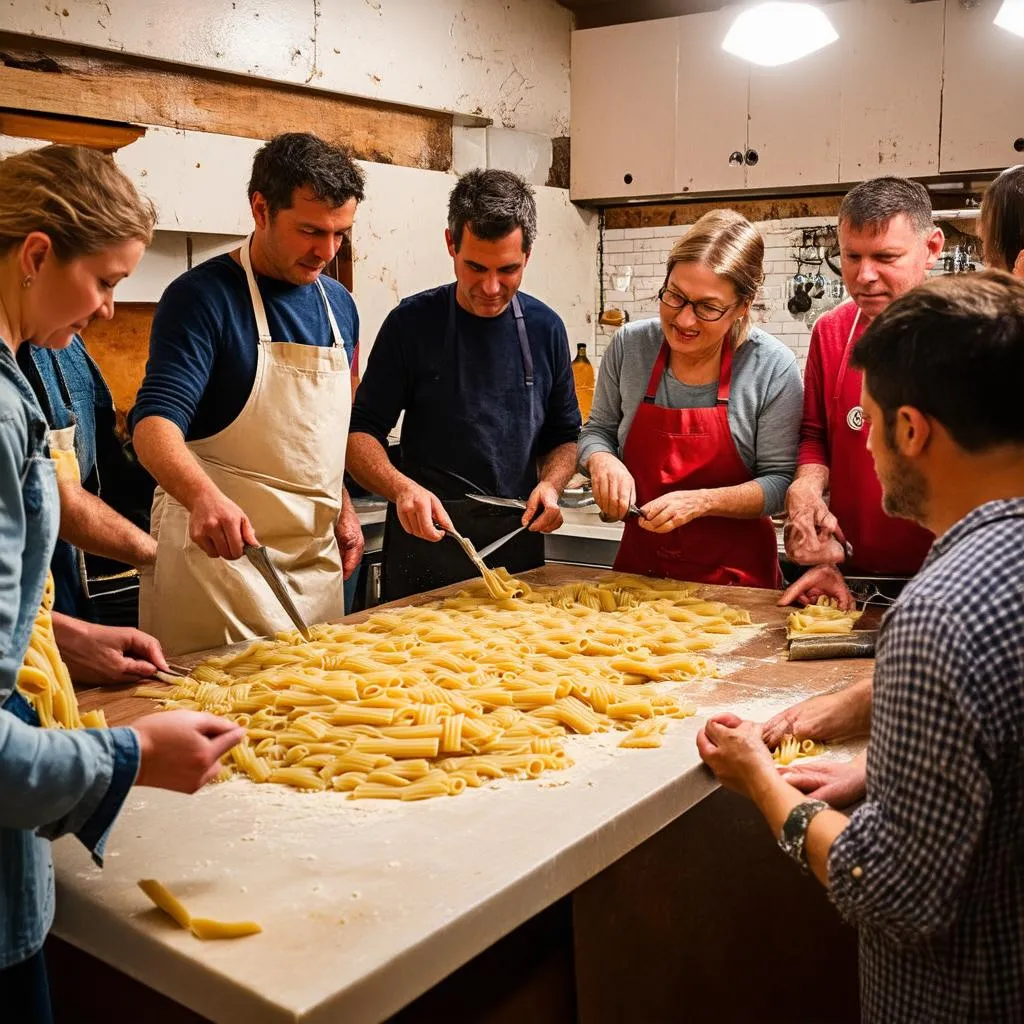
503,59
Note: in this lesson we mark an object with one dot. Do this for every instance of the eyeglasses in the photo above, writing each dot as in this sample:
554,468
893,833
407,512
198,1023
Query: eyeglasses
702,310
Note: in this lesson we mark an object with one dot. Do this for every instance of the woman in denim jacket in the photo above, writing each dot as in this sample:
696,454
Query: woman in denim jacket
71,227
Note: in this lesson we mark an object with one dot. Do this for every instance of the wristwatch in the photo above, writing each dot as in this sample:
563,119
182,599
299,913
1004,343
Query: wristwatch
794,829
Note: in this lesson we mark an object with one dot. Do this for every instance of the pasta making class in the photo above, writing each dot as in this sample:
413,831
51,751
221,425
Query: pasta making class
505,505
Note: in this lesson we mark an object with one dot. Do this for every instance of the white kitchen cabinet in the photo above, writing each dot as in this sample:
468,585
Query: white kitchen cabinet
891,77
623,110
983,91
711,107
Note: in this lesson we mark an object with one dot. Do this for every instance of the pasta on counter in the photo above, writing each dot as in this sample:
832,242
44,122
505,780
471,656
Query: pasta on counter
425,701
823,617
790,749
200,927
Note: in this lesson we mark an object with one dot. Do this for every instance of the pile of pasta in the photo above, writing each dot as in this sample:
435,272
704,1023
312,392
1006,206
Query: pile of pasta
823,617
43,678
427,701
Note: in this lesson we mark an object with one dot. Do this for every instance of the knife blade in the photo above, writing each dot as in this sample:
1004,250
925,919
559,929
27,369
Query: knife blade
494,545
488,499
260,559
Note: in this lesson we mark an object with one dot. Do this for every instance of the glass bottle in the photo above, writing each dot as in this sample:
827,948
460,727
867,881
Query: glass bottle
583,375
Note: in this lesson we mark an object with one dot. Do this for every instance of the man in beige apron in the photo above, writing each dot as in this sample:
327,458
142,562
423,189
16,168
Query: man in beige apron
273,474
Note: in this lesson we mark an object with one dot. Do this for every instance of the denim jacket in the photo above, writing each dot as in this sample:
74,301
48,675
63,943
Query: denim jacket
52,781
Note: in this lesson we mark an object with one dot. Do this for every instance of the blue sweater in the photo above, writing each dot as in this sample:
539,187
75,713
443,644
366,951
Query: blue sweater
202,351
468,412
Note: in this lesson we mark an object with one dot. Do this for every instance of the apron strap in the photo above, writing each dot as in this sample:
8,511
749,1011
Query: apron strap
724,374
656,374
259,310
524,341
844,362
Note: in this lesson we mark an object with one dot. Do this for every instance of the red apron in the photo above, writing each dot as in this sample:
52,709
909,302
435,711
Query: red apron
882,545
689,449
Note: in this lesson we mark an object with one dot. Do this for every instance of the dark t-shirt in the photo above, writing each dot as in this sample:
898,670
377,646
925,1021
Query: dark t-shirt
204,342
468,411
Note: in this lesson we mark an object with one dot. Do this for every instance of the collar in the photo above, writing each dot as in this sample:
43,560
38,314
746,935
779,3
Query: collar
977,519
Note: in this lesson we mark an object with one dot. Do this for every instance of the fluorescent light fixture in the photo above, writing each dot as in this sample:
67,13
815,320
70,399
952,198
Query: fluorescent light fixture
1011,16
777,33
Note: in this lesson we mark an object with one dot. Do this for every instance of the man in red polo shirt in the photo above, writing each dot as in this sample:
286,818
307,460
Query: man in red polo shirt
888,243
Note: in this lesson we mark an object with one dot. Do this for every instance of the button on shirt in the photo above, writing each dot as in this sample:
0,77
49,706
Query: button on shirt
939,840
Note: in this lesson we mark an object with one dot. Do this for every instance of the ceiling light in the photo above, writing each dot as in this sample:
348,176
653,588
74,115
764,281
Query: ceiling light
777,33
1011,16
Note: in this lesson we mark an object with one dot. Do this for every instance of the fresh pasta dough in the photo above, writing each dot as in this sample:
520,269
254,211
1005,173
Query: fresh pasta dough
43,678
823,617
200,927
427,701
790,749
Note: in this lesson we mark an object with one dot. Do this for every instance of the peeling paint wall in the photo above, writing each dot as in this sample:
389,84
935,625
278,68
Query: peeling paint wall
503,59
399,249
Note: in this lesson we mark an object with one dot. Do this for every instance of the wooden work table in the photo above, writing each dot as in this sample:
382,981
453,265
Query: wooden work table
366,905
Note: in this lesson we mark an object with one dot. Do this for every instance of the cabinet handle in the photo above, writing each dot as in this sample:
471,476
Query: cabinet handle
736,158
1018,144
751,157
628,179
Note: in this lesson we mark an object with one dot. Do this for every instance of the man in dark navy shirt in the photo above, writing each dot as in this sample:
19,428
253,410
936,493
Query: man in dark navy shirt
244,410
482,373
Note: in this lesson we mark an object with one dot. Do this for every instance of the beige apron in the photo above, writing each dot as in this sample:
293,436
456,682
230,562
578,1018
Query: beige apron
281,461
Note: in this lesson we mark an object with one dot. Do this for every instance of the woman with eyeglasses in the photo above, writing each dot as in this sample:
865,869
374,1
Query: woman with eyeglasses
695,419
1002,222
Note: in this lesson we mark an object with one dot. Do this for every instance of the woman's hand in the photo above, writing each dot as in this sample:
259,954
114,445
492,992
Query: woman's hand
181,750
613,485
734,751
674,509
108,655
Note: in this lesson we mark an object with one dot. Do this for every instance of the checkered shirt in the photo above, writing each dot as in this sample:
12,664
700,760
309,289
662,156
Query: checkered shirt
939,840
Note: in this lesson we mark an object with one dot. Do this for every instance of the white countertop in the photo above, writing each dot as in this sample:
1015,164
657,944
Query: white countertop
367,904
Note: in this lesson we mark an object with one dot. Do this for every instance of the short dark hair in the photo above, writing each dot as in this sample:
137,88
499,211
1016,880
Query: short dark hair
952,348
302,160
873,203
493,203
1002,212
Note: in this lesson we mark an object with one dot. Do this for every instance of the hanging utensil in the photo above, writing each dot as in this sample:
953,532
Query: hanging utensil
260,559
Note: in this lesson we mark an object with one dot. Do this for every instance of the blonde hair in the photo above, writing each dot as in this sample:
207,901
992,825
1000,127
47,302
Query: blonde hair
76,196
727,244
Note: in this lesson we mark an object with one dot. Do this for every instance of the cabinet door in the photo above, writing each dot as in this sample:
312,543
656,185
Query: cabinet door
623,110
794,130
891,88
983,91
711,106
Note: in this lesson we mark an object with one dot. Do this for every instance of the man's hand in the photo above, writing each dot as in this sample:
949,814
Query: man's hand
349,535
838,784
418,509
734,751
219,526
181,750
812,533
821,581
544,499
674,509
107,655
830,717
613,485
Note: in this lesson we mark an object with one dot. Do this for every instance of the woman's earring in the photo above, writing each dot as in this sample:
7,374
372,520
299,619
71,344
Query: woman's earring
26,281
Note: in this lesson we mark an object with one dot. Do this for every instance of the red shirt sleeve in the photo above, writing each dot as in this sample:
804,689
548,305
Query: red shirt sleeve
813,448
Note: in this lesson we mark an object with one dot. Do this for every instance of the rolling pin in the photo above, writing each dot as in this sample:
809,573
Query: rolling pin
858,644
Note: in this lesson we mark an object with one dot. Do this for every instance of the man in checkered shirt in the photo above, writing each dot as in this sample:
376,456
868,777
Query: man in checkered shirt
930,865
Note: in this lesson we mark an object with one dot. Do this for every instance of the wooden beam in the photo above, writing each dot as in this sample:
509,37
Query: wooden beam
107,136
39,76
665,214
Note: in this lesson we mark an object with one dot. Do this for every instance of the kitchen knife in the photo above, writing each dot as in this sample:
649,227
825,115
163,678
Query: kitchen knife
261,560
488,499
494,545
858,644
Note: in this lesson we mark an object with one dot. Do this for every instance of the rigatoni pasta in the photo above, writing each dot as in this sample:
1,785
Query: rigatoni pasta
427,701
